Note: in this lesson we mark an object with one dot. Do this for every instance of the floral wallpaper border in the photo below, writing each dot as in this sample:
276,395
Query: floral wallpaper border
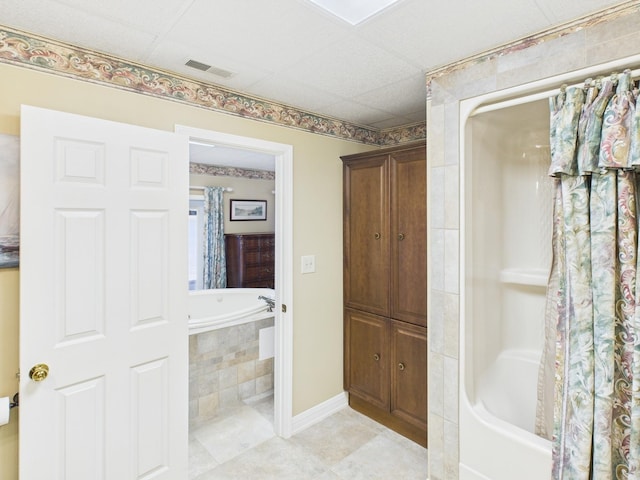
219,171
30,51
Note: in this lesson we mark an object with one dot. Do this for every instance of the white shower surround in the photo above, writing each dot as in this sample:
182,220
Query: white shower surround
496,441
595,40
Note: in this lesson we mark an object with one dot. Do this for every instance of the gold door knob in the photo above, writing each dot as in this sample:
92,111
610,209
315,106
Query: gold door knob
401,236
39,372
376,357
376,236
401,366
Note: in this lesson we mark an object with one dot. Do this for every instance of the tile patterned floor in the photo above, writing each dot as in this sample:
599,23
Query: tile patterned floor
241,445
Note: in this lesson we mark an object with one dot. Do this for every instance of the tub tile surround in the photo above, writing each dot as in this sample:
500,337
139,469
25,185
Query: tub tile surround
602,38
224,370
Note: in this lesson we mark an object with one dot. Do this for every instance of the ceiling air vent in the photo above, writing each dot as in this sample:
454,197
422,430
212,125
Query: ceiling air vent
220,72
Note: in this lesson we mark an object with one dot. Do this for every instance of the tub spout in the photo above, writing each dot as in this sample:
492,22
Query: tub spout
270,302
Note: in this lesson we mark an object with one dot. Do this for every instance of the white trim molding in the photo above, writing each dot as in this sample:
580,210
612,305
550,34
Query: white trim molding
318,413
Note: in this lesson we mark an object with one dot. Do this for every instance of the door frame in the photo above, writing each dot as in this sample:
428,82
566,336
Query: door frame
283,361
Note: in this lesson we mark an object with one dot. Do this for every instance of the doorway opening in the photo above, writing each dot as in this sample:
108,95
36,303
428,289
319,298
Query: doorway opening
281,156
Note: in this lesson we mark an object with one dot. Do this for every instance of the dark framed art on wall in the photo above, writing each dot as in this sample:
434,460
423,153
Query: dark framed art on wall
248,210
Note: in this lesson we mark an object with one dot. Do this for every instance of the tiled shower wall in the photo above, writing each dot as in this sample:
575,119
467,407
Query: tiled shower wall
224,369
612,35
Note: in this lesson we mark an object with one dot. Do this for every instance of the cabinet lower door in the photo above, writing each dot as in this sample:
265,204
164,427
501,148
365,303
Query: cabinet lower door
409,373
367,357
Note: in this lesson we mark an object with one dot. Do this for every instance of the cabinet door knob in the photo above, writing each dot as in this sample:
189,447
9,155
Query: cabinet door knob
401,236
376,357
401,366
376,236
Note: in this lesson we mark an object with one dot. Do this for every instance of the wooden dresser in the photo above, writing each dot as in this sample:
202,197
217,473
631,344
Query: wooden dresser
385,287
250,260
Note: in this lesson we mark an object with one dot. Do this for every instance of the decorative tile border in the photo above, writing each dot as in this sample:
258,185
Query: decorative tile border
526,42
217,171
30,51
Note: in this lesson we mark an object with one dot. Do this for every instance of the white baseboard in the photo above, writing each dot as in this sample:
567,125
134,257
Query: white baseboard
319,412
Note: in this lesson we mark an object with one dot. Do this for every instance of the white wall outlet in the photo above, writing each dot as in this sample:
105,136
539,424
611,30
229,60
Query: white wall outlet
308,263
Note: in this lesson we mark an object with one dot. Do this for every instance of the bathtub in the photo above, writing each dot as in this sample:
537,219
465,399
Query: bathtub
220,308
506,202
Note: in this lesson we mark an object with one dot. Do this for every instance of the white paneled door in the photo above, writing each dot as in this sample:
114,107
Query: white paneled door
103,292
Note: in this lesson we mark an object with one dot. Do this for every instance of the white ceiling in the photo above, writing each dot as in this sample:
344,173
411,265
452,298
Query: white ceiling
292,52
230,157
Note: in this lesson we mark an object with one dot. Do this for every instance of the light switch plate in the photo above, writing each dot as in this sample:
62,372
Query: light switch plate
308,263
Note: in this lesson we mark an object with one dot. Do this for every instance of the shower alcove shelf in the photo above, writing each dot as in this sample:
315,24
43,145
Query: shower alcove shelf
532,277
385,269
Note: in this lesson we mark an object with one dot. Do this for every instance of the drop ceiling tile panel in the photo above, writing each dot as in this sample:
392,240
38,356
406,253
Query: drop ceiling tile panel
473,27
357,113
148,15
77,27
350,68
401,30
398,98
418,116
284,89
268,35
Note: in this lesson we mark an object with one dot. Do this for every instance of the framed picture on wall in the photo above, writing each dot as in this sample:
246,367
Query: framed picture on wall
248,210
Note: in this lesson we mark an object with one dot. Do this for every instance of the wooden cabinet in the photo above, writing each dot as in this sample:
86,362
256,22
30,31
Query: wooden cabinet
385,291
250,260
385,215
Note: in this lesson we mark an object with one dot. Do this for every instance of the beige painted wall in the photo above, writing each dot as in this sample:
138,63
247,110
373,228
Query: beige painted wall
317,229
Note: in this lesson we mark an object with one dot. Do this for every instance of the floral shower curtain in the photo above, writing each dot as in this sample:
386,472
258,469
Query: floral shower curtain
215,267
593,304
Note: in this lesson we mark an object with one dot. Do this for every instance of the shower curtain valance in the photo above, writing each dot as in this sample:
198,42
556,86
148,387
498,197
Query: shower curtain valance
595,127
593,308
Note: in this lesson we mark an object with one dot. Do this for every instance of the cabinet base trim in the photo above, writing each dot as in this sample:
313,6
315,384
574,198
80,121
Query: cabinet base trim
405,429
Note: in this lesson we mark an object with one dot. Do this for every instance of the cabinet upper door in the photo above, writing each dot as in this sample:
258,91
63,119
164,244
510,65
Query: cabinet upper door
409,236
366,238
